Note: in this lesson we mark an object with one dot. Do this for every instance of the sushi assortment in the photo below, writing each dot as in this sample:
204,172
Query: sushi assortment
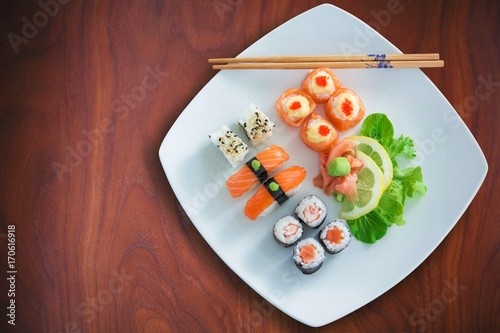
344,108
309,252
274,190
257,127
296,108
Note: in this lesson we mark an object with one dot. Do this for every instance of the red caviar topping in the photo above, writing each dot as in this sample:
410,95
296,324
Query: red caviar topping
295,105
321,81
324,130
347,107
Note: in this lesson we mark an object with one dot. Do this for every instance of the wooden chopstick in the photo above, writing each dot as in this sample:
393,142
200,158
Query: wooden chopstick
328,58
422,60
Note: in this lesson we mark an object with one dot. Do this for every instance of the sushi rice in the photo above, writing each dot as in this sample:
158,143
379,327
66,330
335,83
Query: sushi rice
256,125
315,261
311,210
233,148
287,230
335,236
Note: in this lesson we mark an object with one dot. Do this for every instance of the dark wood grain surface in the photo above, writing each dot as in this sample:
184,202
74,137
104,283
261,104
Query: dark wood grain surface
88,90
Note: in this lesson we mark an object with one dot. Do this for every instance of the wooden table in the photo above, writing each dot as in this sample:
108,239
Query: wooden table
88,90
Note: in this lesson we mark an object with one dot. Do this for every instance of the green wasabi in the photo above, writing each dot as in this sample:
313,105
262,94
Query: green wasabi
339,166
255,164
274,186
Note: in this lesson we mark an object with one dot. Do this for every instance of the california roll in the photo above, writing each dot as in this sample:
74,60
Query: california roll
287,230
311,210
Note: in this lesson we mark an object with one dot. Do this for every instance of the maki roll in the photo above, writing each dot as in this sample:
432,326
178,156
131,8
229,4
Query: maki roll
256,125
335,236
275,191
287,230
256,170
308,255
294,106
311,210
321,83
233,148
345,109
318,134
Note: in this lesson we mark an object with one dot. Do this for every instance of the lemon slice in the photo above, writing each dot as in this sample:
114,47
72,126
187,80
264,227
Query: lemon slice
370,186
377,153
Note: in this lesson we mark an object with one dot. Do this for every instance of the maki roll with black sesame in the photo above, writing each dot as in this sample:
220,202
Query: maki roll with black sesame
233,148
256,125
308,255
287,230
311,210
335,236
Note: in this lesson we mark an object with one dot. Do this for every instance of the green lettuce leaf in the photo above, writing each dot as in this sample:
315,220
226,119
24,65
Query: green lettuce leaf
368,228
405,183
378,127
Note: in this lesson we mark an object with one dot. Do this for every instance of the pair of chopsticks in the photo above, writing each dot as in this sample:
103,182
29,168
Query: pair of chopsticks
417,60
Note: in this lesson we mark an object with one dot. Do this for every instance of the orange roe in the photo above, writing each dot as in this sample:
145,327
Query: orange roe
295,105
321,81
347,107
324,130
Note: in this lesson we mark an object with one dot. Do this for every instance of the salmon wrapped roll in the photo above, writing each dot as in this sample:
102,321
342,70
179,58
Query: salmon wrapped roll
275,191
256,170
321,83
294,106
318,134
345,109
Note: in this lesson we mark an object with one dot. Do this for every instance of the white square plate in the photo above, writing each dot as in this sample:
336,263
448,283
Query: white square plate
453,166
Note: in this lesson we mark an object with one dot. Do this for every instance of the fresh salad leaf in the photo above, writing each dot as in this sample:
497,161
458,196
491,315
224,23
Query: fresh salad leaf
411,180
371,227
368,228
378,127
403,145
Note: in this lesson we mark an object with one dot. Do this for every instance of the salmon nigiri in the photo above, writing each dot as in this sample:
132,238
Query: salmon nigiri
256,170
275,191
